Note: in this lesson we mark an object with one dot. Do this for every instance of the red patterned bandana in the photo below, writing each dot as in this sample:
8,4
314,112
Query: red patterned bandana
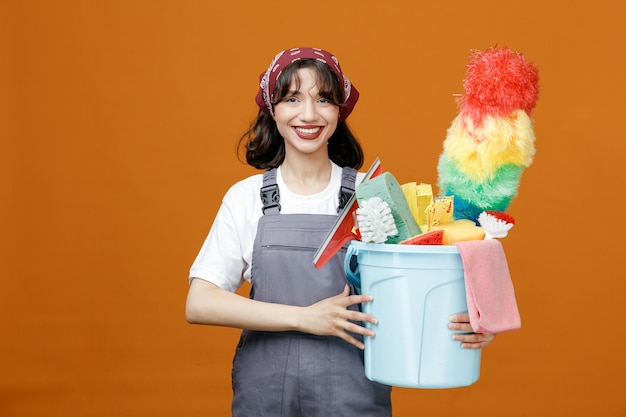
283,59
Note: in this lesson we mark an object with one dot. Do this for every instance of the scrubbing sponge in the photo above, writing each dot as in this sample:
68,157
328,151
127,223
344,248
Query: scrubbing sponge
459,231
418,197
386,187
434,237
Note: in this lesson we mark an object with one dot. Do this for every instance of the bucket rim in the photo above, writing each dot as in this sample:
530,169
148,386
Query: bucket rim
397,248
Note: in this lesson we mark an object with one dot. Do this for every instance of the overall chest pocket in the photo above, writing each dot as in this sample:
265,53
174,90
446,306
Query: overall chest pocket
282,268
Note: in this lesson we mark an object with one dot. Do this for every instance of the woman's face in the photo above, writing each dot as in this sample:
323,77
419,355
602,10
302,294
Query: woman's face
304,118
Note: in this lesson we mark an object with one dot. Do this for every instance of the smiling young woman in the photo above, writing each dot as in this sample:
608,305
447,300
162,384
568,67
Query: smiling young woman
300,352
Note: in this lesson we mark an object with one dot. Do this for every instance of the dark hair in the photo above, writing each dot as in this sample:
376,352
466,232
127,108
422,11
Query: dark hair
265,147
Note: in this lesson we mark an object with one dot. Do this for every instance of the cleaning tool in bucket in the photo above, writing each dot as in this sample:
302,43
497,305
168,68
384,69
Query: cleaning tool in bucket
496,224
491,140
386,188
415,289
375,220
343,229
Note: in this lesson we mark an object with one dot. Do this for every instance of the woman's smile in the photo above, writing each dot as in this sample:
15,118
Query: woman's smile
308,132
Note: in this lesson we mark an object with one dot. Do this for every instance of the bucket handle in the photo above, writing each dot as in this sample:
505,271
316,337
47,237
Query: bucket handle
351,267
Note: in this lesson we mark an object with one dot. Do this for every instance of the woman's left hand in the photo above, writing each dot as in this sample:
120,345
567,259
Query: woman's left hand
470,340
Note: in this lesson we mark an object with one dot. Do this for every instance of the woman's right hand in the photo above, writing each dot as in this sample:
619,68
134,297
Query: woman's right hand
331,317
209,304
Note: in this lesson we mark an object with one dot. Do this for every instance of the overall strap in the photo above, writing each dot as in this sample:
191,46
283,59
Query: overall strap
270,196
348,185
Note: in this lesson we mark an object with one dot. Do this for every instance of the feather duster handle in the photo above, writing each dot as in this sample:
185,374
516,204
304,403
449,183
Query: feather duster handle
491,140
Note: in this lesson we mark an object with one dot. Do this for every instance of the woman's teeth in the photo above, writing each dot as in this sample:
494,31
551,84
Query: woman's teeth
308,131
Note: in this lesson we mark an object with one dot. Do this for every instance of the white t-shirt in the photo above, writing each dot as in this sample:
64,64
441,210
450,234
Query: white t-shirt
226,255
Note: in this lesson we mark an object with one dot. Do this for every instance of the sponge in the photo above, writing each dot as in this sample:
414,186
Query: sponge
386,187
434,237
459,231
419,197
440,211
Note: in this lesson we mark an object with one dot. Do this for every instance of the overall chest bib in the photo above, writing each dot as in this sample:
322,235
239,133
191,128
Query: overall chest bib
291,373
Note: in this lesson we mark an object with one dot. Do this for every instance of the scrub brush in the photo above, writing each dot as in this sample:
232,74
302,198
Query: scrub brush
375,220
495,223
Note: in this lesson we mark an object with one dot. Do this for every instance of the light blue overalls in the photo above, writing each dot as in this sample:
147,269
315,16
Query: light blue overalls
290,374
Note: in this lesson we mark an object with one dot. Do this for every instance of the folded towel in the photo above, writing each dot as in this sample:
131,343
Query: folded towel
490,295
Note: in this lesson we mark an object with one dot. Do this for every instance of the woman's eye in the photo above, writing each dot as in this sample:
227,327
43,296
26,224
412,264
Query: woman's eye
291,100
324,100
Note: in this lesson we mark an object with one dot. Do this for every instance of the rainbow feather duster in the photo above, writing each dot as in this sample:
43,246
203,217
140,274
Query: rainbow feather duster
491,140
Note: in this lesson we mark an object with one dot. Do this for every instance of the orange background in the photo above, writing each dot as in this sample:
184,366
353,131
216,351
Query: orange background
119,121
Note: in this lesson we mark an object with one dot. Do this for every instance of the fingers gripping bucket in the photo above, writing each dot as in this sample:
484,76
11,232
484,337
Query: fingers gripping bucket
415,289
